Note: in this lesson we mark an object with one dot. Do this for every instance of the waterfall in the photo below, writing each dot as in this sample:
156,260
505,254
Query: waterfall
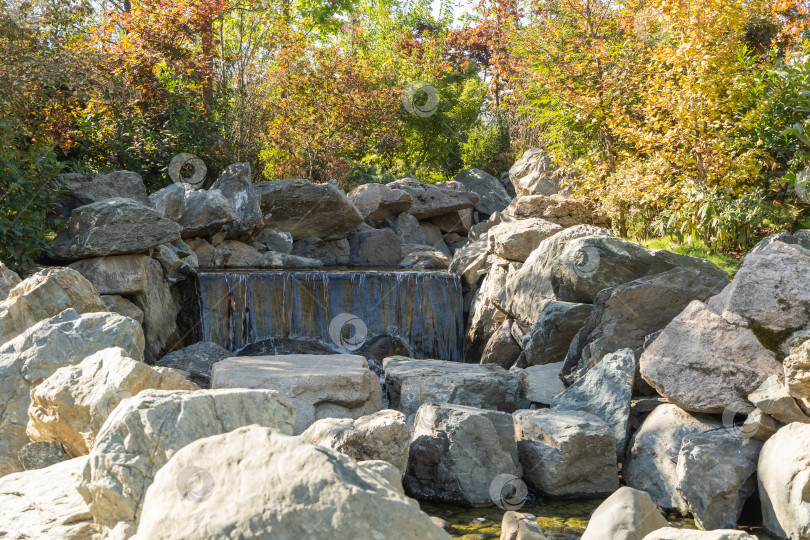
341,309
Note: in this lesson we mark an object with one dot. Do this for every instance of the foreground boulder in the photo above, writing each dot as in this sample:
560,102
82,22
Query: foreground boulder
409,383
430,200
769,292
148,429
673,533
703,363
652,457
79,190
494,196
43,295
605,391
784,482
44,503
623,316
566,453
551,334
539,385
123,274
628,514
515,240
197,360
159,313
299,207
33,356
382,436
236,186
71,405
456,453
555,208
113,227
318,385
268,485
8,280
716,475
501,349
198,211
377,202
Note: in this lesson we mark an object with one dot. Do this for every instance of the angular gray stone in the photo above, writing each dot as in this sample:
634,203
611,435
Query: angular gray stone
278,487
801,238
275,240
33,356
605,391
533,174
623,316
379,247
501,348
566,453
122,274
409,383
377,202
556,208
430,200
204,212
197,360
485,317
515,240
426,258
457,452
8,280
113,227
383,435
41,454
145,431
494,196
539,384
468,260
674,533
628,514
520,526
318,385
435,238
208,256
44,503
80,190
759,426
43,295
159,313
551,334
797,370
408,230
773,399
716,474
652,456
703,363
305,209
784,482
315,248
238,254
236,186
769,293
459,221
271,259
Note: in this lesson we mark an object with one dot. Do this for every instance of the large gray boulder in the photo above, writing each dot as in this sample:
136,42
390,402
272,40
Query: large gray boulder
539,385
485,317
549,338
534,174
305,209
122,274
71,405
515,240
703,363
501,349
784,482
628,514
566,453
377,202
80,189
159,313
378,247
457,452
112,227
35,355
494,196
558,208
197,360
236,186
576,264
769,293
520,526
199,212
773,399
118,304
8,280
430,200
716,474
44,503
383,435
605,391
275,240
43,295
266,485
318,385
145,431
623,316
468,260
652,457
409,383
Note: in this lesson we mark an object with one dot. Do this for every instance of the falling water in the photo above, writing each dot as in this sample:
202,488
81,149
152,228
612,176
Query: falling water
342,309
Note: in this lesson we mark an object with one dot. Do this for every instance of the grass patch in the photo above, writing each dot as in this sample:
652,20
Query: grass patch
727,262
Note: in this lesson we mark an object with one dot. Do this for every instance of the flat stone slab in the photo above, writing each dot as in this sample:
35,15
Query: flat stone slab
318,385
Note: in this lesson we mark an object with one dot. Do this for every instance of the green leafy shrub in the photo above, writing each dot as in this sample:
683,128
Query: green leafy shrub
29,190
